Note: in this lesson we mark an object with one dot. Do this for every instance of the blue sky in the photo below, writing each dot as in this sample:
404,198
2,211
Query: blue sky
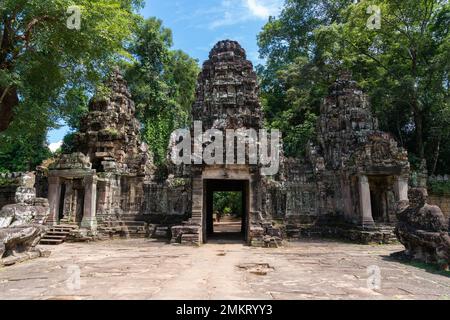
199,24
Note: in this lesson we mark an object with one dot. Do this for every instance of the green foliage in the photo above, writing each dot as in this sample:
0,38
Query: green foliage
439,187
298,134
111,132
48,63
228,203
68,145
297,75
52,70
22,153
8,182
403,66
162,83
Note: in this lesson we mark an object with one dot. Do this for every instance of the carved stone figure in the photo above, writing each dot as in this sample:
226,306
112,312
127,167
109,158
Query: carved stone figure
19,240
423,229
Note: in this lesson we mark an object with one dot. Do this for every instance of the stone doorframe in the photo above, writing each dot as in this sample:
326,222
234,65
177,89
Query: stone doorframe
232,172
365,205
224,185
55,181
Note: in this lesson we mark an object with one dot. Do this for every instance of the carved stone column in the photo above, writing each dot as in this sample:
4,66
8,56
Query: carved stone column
54,195
90,200
365,204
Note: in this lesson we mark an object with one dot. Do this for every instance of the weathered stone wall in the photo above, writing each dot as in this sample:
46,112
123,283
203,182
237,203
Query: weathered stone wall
167,202
442,201
9,182
18,187
7,195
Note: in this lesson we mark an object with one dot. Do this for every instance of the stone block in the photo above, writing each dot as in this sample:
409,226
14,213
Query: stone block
190,239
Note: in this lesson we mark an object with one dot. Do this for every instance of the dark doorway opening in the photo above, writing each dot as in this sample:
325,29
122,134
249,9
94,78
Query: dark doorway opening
79,206
379,187
62,197
230,225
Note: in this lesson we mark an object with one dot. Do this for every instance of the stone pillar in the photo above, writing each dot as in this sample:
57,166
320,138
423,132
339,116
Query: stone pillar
90,200
197,200
401,188
54,199
365,204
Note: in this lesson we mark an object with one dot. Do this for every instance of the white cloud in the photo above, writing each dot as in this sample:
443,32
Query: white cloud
232,12
264,8
55,146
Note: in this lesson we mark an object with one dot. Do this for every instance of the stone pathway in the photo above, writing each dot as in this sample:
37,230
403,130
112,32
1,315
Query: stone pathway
145,269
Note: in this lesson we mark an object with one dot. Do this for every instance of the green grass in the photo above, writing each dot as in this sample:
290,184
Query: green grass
431,268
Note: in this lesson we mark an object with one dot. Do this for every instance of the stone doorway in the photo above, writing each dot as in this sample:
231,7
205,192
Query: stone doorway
212,230
382,198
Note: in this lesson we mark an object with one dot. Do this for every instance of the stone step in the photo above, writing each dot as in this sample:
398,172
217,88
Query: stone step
51,241
63,228
71,226
127,223
58,232
54,236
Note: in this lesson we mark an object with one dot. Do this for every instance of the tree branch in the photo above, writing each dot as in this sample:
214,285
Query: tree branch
5,92
29,29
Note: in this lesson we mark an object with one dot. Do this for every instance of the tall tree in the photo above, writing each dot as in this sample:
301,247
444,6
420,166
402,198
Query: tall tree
297,74
22,153
43,55
403,64
162,82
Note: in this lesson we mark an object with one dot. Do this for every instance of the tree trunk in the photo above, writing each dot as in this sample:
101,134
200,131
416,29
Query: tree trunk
8,95
418,119
436,156
9,100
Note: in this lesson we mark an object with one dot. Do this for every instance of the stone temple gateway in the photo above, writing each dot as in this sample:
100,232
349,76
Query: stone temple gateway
347,185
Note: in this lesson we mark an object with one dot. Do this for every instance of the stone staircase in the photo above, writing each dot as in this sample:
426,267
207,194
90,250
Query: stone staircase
58,234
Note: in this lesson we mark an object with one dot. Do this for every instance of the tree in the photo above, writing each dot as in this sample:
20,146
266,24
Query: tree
297,75
43,62
228,202
162,82
22,153
403,65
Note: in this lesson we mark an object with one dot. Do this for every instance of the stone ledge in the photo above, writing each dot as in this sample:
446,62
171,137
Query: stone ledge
22,257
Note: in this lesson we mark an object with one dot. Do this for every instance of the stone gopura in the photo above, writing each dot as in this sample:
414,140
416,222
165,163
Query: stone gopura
353,173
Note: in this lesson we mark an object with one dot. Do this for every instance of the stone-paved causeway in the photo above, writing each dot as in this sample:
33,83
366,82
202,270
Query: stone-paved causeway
145,269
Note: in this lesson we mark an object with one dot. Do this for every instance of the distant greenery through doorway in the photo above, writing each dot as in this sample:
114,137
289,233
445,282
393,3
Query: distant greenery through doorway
228,203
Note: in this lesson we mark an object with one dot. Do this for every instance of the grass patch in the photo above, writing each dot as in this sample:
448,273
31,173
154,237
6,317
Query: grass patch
428,267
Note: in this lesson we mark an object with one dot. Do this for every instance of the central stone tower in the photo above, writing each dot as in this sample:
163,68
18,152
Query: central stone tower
227,99
227,91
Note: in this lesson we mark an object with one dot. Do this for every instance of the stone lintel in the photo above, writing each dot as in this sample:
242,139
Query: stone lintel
71,173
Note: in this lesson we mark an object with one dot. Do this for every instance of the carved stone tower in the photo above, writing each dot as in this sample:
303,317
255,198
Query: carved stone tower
227,98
